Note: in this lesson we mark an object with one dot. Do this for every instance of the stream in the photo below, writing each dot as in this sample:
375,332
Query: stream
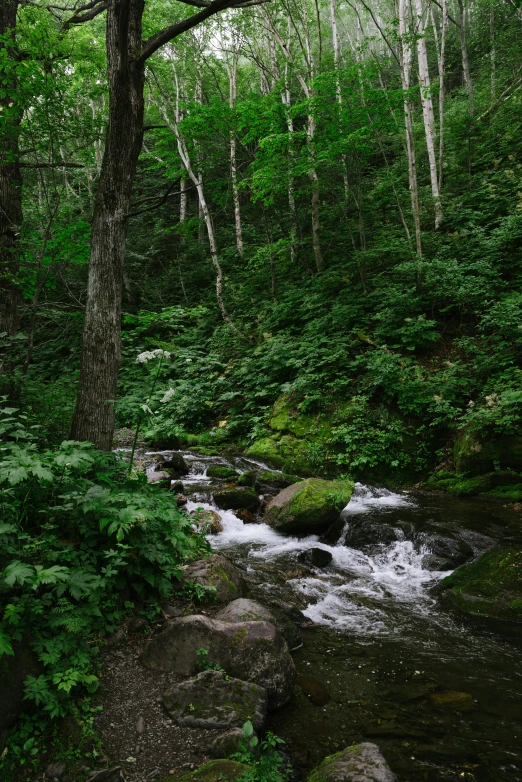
383,659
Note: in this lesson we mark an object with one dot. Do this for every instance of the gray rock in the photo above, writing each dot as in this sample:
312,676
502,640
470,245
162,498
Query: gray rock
176,465
226,743
244,610
55,770
159,477
114,774
444,553
317,557
219,572
358,763
252,651
212,700
209,518
235,497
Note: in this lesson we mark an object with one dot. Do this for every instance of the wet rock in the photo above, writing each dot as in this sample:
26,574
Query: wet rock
177,487
308,506
317,557
13,671
248,479
176,465
445,553
209,518
234,497
221,471
363,533
55,770
453,700
474,455
182,500
291,612
252,651
215,771
211,700
218,572
358,763
246,516
313,688
227,743
490,587
244,610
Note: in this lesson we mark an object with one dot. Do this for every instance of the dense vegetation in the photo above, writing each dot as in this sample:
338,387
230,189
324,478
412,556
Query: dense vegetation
368,262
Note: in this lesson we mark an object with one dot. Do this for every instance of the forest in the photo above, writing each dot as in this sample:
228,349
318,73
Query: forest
260,265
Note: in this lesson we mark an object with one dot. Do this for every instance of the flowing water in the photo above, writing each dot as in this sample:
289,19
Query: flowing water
384,659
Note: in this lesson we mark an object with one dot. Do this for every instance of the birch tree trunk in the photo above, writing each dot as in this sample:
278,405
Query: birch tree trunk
465,60
427,109
405,58
197,180
10,183
286,100
232,79
441,62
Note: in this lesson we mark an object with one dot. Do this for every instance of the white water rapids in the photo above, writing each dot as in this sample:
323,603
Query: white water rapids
349,593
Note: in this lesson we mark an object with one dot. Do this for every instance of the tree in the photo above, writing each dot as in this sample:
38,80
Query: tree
127,55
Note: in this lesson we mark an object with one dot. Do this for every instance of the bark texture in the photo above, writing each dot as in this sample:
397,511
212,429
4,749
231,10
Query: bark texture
101,348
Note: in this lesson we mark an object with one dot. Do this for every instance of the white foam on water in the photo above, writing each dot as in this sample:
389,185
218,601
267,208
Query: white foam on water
348,594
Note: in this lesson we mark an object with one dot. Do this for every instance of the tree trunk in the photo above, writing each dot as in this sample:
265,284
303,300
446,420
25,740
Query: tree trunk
10,186
465,60
232,77
101,347
427,109
405,63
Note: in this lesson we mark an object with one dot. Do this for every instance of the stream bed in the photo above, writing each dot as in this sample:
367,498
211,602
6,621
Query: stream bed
383,659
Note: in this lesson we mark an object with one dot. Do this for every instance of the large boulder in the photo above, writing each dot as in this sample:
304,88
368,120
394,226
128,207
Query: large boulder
358,763
308,506
490,587
218,572
243,610
251,651
175,465
213,700
214,771
235,497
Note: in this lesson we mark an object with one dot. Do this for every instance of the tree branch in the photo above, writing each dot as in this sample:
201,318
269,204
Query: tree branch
78,18
164,198
168,33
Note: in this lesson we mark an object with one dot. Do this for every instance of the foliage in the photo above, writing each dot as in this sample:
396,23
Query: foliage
203,662
265,761
81,544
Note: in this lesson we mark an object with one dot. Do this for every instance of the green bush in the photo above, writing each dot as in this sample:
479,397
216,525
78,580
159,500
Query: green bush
79,544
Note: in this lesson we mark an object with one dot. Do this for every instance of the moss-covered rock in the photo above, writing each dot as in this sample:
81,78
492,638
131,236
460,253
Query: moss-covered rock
214,771
235,497
490,587
251,651
286,452
220,573
221,471
213,700
499,484
475,456
358,763
251,611
309,506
